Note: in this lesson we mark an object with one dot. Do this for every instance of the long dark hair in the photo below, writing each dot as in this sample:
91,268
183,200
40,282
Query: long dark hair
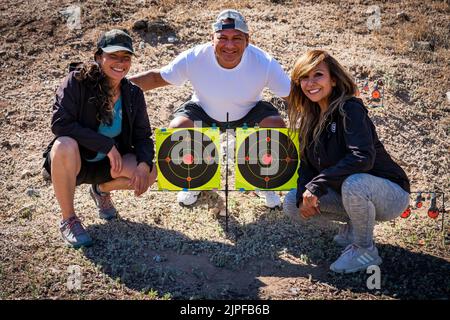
92,75
304,115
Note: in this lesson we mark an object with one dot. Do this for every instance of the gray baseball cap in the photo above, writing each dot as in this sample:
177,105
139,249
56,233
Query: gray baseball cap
115,40
238,23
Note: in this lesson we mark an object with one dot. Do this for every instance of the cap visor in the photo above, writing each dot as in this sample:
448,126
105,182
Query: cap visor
111,49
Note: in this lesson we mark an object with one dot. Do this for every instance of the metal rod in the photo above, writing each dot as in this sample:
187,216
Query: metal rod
226,179
443,213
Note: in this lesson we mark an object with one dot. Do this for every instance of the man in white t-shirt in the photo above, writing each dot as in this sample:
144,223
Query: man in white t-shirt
228,76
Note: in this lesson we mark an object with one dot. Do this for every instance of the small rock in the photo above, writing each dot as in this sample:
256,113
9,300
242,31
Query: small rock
215,211
140,25
423,46
402,16
32,192
26,174
222,213
27,212
448,96
171,39
294,291
141,45
56,73
7,145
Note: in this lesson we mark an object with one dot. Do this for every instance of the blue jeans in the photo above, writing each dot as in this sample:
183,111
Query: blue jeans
364,199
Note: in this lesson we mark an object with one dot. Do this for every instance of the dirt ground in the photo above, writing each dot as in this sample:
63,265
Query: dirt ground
158,250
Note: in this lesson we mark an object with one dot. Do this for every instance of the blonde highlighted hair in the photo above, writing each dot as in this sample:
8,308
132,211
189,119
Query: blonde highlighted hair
304,114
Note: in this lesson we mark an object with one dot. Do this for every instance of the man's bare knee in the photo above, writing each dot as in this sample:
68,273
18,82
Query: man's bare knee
181,122
272,122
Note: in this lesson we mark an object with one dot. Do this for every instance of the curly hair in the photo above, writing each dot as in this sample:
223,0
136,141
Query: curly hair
91,74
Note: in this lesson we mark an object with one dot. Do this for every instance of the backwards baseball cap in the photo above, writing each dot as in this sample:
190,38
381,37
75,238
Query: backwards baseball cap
115,40
238,21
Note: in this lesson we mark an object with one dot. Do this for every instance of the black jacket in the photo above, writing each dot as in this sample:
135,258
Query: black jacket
75,116
342,153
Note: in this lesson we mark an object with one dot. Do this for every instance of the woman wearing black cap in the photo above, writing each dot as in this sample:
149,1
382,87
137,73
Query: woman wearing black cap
102,135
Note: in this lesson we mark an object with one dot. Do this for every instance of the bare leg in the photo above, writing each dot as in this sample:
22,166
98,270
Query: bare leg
272,122
181,122
121,180
66,164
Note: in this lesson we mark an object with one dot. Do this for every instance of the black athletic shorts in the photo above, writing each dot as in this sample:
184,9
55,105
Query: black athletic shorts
90,172
195,112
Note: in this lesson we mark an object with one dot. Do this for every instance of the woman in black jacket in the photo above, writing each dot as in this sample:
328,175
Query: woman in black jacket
344,167
102,135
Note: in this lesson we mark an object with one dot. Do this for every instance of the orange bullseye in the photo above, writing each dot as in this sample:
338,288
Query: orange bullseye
267,159
188,159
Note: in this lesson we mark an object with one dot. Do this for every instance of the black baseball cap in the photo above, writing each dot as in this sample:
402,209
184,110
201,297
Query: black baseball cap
115,40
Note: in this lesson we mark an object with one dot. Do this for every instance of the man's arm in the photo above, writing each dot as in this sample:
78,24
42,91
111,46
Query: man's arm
149,80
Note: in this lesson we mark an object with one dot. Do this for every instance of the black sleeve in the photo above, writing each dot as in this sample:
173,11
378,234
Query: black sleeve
142,132
66,112
360,152
305,175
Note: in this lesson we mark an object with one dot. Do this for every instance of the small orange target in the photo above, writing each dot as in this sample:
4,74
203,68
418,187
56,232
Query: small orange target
376,94
433,213
406,213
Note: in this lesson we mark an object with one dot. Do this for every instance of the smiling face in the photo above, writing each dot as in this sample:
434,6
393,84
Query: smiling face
318,84
229,46
115,65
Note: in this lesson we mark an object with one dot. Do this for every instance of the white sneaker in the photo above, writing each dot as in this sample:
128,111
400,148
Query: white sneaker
272,199
354,259
345,235
187,198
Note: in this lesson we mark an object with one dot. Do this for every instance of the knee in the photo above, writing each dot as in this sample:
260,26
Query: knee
181,122
272,122
65,147
354,184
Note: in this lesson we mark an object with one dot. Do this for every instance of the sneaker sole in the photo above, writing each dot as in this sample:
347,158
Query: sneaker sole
187,205
77,246
279,208
361,268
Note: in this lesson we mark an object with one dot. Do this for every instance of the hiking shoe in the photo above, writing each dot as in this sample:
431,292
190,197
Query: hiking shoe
104,203
354,259
273,200
345,235
187,198
74,234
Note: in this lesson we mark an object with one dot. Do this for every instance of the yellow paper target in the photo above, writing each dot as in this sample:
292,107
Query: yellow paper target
266,159
188,158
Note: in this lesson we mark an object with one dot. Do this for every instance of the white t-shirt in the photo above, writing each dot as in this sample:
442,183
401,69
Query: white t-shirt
218,90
